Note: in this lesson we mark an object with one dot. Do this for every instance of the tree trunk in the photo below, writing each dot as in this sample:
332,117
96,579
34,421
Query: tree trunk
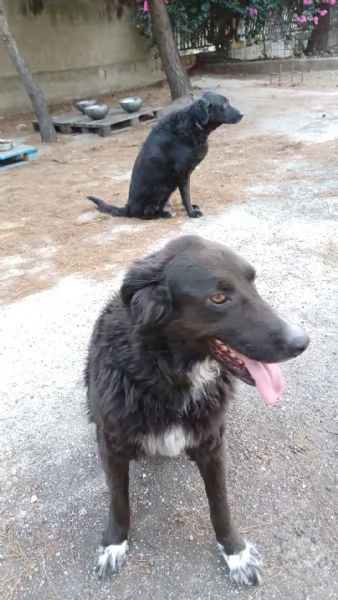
47,131
177,76
318,41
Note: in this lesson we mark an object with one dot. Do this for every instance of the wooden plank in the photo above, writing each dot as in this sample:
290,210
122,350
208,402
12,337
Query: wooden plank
116,120
17,150
70,119
65,118
18,156
116,123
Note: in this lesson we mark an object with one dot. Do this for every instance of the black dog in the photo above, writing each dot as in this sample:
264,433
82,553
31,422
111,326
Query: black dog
160,369
172,150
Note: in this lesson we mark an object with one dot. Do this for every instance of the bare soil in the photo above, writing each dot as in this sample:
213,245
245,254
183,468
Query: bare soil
48,228
268,188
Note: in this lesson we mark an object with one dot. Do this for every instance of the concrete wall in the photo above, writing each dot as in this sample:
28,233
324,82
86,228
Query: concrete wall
75,59
271,49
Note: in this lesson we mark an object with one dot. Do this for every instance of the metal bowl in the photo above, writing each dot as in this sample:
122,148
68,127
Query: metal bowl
82,104
131,105
97,111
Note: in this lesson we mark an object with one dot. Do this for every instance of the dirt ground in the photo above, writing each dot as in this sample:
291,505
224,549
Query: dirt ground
48,229
268,188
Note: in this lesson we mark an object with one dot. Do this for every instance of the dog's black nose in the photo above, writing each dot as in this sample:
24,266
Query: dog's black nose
297,341
238,117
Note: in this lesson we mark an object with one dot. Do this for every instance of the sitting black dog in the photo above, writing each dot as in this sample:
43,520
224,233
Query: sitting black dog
171,152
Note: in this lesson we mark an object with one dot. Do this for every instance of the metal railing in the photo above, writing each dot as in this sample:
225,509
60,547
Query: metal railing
277,28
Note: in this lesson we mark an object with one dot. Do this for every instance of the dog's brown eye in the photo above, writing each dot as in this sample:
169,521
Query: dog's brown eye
218,298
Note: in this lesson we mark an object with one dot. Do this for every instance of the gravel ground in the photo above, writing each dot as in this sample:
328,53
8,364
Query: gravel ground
281,459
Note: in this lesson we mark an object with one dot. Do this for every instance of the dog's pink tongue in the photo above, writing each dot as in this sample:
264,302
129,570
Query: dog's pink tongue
268,378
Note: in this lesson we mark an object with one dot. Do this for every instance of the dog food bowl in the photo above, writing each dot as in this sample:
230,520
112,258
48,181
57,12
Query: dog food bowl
131,105
96,111
82,104
6,145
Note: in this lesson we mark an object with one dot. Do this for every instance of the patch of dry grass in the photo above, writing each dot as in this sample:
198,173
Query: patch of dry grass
43,201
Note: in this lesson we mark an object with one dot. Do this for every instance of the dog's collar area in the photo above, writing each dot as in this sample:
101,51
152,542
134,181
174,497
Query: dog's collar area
199,125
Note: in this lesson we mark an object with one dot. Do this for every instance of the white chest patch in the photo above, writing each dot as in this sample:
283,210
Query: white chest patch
175,440
201,375
171,443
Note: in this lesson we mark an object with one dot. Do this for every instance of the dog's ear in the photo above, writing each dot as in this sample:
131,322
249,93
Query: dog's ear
151,305
147,297
201,110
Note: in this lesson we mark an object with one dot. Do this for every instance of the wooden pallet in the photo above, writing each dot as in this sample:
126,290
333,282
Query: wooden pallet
19,155
114,122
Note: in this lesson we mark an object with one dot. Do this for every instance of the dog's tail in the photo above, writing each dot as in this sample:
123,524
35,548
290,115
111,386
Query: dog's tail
108,209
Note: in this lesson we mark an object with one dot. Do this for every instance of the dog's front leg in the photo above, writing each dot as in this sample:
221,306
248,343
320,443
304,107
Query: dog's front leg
192,209
114,543
242,558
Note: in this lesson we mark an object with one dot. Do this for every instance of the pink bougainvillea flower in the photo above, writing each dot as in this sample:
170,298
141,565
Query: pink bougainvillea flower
323,12
146,5
307,2
315,20
252,11
301,19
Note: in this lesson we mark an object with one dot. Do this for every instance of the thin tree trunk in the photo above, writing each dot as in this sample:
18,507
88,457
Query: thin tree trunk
178,79
319,39
47,131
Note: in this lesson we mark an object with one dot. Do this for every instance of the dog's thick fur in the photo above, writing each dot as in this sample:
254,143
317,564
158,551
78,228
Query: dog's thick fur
171,152
154,386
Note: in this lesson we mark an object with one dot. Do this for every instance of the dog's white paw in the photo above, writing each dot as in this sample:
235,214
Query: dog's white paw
110,559
245,566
